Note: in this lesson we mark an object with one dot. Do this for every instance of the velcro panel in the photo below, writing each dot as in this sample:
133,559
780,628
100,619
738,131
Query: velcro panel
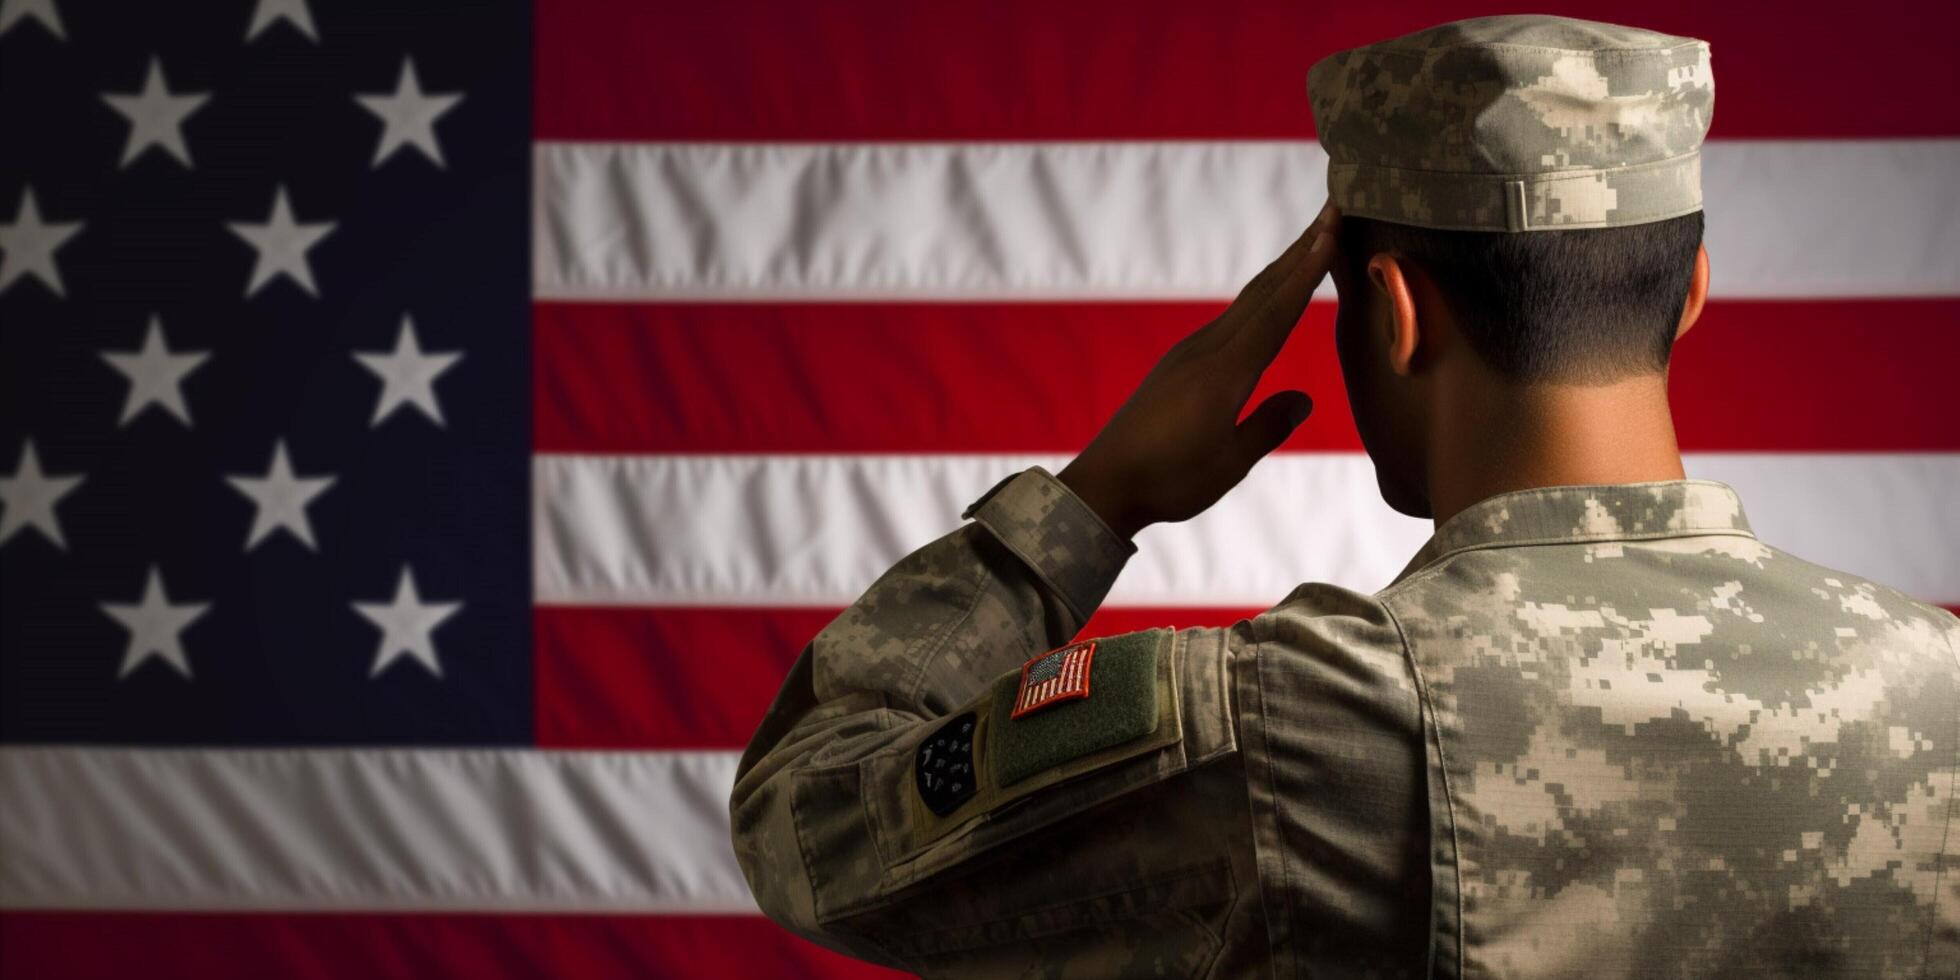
1122,705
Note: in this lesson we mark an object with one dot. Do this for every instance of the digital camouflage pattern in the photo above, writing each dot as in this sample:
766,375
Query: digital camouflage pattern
1588,729
1663,748
1517,122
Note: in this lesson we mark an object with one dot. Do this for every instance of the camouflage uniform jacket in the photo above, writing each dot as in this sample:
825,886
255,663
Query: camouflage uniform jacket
1588,729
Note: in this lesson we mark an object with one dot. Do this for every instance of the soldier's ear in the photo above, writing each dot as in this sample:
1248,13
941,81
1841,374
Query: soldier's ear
1697,293
1401,325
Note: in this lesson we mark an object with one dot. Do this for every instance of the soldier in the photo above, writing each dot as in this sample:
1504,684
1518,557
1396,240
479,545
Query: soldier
1595,725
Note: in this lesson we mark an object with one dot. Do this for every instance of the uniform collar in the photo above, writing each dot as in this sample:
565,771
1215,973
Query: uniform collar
1587,512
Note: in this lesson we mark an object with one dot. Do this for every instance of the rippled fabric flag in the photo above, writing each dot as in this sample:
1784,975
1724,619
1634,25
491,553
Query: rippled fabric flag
428,432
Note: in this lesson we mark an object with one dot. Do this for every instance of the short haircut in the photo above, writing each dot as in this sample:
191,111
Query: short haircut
1573,306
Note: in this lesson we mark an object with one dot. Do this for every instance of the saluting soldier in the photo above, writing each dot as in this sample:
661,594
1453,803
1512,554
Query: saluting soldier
1595,726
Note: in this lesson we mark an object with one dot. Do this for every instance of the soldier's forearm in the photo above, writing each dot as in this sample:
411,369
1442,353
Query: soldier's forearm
1022,578
935,628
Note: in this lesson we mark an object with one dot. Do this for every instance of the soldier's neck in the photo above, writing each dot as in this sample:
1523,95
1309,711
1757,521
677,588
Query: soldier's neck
1489,437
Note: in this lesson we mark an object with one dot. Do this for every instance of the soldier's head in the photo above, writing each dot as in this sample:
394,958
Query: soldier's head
1521,207
1422,307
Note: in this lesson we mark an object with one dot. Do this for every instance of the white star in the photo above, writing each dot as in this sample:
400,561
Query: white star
281,498
29,497
409,116
291,11
156,375
408,375
11,11
282,245
153,626
29,245
405,626
156,117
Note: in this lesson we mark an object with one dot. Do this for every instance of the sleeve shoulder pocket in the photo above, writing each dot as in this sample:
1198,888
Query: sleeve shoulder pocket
1068,730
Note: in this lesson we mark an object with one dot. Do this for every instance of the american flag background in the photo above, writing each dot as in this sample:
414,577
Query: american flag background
432,429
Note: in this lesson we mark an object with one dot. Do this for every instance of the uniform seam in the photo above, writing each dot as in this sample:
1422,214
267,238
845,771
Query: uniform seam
1233,909
803,856
1534,176
1449,797
1279,827
1168,878
1638,218
937,645
1109,545
1576,52
861,936
1946,833
1210,964
1222,700
1075,500
1524,493
871,821
1437,563
1040,573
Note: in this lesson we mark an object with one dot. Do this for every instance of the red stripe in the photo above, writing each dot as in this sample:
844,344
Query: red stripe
1035,69
119,945
1042,377
662,678
700,678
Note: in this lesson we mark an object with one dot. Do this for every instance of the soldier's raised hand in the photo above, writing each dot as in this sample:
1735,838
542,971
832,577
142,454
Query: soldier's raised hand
1177,444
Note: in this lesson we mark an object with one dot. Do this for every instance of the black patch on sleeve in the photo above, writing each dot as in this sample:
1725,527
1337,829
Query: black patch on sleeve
944,769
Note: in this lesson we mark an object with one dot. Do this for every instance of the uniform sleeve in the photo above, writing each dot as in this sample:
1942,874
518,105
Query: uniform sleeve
829,822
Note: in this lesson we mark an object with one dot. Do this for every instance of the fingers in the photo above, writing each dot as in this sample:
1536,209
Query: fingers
1261,286
1267,323
1269,425
1255,293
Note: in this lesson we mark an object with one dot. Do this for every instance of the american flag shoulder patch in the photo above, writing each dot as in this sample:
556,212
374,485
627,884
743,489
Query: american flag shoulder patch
1058,675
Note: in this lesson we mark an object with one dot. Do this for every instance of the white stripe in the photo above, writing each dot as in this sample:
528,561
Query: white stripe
814,530
122,828
1140,219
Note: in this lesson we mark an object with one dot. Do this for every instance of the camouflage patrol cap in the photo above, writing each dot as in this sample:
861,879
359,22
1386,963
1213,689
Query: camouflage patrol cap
1516,122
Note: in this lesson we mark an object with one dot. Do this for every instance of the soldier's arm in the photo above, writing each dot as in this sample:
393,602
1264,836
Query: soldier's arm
831,813
835,811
